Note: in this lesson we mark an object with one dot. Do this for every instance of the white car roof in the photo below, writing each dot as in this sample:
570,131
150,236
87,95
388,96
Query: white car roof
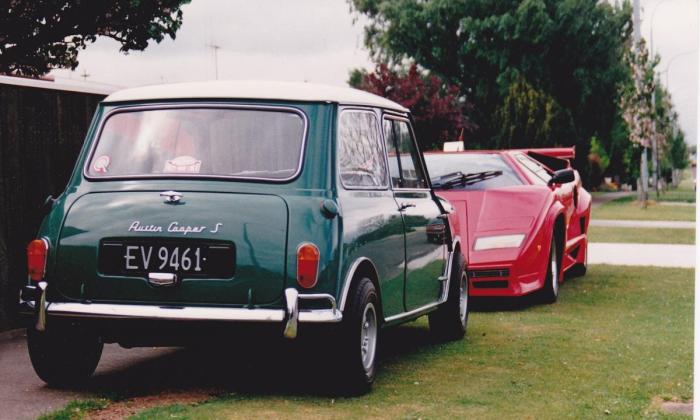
286,91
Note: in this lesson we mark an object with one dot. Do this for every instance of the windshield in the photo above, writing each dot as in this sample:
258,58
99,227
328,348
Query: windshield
464,171
231,142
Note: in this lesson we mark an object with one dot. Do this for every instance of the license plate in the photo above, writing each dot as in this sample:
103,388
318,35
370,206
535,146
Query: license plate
186,259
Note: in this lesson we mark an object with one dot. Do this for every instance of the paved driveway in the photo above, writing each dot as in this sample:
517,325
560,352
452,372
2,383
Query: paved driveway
238,364
24,396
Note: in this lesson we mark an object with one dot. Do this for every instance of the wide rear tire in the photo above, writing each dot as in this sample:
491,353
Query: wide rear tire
449,321
64,356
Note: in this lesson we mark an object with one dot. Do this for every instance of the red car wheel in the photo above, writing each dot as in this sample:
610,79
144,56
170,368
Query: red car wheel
550,291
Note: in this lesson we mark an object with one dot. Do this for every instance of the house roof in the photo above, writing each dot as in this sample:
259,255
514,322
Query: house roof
65,85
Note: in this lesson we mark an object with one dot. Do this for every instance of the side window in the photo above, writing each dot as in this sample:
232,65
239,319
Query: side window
404,161
360,155
535,168
394,163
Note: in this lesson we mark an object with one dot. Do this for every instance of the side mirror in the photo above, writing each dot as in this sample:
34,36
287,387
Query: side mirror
562,176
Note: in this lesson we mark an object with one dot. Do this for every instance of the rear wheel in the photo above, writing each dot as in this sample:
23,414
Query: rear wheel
63,356
550,291
449,321
358,343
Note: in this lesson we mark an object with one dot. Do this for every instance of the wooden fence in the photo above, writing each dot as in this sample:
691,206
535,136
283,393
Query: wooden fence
42,128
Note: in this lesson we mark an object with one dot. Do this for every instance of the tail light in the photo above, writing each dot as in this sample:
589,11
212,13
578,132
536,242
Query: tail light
37,250
307,265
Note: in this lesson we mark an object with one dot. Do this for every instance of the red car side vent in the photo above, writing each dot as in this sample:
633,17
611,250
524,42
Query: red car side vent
498,272
490,284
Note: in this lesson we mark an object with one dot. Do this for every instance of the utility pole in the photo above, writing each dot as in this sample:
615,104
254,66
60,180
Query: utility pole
643,167
216,49
85,75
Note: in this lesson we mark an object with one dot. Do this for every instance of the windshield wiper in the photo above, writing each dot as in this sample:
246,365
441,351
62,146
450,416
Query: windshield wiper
459,178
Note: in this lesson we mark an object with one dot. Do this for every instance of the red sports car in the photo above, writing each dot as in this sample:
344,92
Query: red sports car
525,215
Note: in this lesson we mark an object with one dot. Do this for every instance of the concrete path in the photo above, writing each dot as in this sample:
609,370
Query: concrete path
24,396
675,203
600,199
642,254
664,224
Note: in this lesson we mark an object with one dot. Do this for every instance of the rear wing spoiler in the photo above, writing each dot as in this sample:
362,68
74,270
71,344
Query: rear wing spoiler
554,157
555,152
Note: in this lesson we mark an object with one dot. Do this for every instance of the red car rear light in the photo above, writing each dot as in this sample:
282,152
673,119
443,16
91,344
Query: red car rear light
307,265
37,250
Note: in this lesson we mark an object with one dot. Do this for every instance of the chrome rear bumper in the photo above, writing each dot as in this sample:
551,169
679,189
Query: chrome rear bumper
291,315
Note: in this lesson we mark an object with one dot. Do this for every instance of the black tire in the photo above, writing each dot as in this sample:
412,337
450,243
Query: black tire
580,269
449,321
64,357
358,343
550,291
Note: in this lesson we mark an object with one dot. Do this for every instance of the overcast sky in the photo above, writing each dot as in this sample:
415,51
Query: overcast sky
317,41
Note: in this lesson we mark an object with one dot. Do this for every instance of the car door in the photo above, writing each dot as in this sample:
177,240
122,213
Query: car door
372,228
425,256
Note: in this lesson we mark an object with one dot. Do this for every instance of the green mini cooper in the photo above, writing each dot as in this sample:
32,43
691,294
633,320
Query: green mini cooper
242,206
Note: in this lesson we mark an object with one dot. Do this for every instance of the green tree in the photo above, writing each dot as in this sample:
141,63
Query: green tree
532,118
678,151
598,161
37,36
438,109
621,153
636,105
670,138
569,50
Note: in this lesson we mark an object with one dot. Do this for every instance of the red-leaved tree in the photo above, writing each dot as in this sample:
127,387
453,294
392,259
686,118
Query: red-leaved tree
439,112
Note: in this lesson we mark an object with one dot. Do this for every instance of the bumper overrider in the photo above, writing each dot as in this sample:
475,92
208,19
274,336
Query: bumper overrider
291,316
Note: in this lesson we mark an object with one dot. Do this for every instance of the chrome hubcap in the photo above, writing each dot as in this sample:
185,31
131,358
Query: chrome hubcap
463,298
368,337
554,272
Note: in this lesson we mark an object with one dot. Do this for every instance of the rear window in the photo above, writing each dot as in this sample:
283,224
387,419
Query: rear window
445,166
231,142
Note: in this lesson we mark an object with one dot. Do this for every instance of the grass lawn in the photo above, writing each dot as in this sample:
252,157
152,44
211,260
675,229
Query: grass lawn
77,409
627,208
641,236
684,192
676,195
618,342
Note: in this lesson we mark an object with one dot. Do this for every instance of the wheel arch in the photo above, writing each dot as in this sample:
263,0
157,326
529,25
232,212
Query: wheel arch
457,245
457,248
361,267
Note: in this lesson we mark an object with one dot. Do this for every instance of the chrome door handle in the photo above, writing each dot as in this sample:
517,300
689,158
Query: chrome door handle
404,206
